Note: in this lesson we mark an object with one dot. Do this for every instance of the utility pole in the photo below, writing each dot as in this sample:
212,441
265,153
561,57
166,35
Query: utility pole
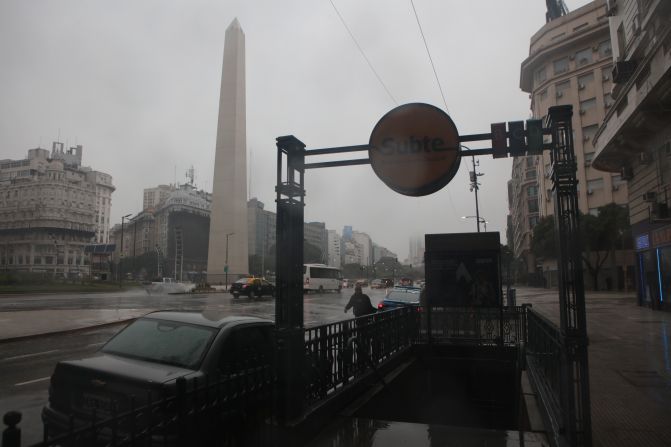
226,265
474,174
120,271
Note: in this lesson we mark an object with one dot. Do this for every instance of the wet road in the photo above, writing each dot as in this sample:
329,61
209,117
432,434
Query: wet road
27,364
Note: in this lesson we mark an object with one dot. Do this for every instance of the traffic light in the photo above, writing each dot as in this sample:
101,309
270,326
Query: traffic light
517,144
499,146
534,137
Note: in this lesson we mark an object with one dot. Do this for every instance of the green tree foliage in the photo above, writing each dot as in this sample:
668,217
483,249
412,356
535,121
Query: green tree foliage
543,238
600,236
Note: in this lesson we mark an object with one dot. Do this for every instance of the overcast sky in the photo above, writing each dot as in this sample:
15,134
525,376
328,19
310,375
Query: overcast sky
137,84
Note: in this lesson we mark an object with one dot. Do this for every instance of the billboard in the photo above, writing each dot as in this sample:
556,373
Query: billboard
463,269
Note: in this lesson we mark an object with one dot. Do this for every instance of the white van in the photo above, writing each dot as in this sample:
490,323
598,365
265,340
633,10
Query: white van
320,278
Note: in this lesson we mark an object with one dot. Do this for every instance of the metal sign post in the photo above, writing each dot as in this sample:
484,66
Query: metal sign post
415,149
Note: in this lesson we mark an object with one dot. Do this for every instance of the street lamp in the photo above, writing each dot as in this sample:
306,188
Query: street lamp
479,220
121,251
226,266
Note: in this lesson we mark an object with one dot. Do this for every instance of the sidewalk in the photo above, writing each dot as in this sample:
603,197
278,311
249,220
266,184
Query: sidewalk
29,323
630,366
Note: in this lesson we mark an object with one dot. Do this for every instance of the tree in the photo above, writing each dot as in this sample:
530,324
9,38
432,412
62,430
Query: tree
543,238
602,235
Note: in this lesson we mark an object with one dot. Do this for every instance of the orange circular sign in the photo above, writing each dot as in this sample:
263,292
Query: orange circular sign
414,149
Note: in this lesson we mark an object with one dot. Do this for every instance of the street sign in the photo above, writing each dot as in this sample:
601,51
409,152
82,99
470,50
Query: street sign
414,149
225,269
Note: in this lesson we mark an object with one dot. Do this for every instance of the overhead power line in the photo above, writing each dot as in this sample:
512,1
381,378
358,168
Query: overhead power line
435,74
342,20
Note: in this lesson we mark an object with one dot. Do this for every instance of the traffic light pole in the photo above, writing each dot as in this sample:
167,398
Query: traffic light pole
511,139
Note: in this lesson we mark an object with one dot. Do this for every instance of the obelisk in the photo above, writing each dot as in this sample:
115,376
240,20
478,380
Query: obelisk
227,251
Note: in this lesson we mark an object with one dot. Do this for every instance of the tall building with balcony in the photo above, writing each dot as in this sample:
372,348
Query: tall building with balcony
51,209
523,209
633,142
570,62
170,240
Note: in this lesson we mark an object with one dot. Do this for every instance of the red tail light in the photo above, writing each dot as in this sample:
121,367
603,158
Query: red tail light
380,305
420,309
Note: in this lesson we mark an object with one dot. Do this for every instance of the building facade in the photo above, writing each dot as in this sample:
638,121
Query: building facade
168,241
366,244
334,252
51,209
570,62
523,205
633,143
262,235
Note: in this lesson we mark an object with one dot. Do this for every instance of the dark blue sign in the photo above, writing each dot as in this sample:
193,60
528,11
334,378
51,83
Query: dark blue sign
642,242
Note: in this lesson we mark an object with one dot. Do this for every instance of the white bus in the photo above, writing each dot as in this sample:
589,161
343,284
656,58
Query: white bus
320,278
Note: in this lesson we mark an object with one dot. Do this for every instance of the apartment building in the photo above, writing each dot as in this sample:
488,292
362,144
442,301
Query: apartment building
633,141
570,62
51,209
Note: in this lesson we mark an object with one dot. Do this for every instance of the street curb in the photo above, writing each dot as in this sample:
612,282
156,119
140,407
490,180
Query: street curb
66,331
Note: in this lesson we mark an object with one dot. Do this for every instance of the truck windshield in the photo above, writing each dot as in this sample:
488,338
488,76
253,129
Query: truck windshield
168,342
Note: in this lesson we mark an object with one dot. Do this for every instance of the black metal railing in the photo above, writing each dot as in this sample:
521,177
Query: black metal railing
234,411
476,326
338,353
544,359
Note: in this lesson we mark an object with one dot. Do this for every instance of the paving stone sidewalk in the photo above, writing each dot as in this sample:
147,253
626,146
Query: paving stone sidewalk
630,366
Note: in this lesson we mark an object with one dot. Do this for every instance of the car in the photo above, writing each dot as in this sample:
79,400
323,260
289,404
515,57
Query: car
147,357
388,282
376,284
399,297
252,287
405,282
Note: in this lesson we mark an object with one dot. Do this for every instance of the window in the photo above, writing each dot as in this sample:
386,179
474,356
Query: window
533,221
531,174
532,191
583,57
604,49
588,133
585,80
587,105
561,88
595,184
617,180
530,162
540,75
560,65
532,205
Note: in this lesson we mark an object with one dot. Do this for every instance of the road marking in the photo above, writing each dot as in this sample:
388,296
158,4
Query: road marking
95,344
23,356
42,379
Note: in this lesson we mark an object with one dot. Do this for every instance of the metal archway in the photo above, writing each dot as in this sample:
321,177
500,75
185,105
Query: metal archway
290,190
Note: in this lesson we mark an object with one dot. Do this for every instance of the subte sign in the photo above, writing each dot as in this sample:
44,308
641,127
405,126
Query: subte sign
414,149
